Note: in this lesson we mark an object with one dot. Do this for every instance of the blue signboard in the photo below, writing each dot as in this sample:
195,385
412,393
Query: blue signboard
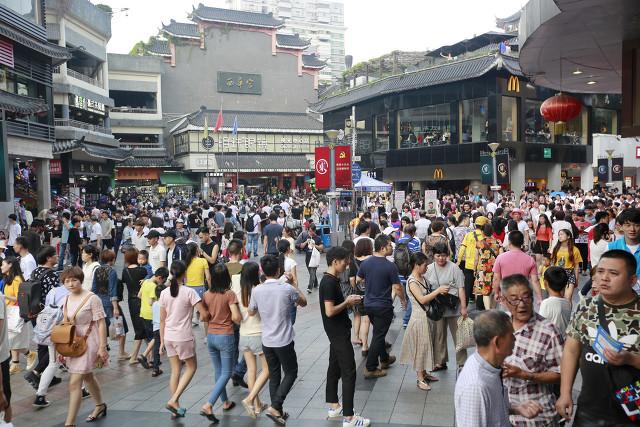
356,173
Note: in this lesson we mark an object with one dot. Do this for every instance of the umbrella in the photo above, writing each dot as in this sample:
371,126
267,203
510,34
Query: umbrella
367,183
558,193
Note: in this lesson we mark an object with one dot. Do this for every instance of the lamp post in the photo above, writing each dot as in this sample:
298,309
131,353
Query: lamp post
493,146
332,134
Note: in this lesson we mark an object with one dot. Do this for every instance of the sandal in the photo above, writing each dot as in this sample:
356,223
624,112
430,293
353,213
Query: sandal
178,412
101,413
249,409
124,357
440,368
277,419
356,343
423,385
209,416
232,405
431,378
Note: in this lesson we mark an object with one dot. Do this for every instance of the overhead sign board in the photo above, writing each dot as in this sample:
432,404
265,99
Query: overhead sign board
241,83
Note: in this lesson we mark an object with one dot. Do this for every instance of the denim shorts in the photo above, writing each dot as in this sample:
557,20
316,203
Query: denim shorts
200,290
252,343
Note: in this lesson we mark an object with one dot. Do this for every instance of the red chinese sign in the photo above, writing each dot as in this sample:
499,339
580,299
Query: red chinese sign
322,168
343,166
55,167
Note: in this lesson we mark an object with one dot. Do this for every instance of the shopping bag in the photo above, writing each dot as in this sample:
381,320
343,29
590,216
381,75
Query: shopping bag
464,335
116,327
315,258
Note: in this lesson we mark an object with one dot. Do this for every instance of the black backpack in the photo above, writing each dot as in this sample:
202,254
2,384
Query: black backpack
402,259
29,297
249,225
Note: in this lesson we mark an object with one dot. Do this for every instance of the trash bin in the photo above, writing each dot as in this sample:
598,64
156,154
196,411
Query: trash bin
324,231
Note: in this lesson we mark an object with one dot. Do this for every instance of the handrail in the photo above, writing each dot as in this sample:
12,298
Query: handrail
82,125
84,78
143,110
30,129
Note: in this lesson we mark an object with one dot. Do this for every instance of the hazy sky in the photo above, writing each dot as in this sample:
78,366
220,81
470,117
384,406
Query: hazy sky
374,27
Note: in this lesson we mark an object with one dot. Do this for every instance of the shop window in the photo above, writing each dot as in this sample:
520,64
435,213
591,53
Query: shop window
430,125
536,128
475,121
604,121
573,131
509,118
382,132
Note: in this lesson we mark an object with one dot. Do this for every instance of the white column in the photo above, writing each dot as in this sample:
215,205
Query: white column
518,177
44,184
554,178
586,177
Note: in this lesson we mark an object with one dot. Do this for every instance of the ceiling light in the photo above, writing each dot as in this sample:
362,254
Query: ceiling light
577,72
591,82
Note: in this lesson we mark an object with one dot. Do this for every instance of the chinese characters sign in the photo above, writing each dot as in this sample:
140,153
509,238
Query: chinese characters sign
343,165
55,167
242,83
86,104
322,168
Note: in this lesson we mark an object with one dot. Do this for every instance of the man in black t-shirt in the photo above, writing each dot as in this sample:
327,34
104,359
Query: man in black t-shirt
335,319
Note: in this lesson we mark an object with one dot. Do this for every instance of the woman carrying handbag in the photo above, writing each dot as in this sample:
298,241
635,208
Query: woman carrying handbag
87,315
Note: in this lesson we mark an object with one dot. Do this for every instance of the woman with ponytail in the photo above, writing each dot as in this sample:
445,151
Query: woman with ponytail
176,335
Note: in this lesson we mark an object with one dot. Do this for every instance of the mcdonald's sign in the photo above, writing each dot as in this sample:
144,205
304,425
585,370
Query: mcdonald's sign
438,173
514,84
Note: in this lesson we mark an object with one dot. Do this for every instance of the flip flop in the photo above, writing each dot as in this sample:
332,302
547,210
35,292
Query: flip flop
249,409
210,417
262,408
230,407
276,419
179,412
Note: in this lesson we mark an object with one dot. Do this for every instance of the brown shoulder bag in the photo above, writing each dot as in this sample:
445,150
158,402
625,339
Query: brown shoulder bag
64,337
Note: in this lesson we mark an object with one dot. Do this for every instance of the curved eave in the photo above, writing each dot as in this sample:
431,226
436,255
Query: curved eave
314,67
21,104
180,36
58,54
242,24
164,55
283,46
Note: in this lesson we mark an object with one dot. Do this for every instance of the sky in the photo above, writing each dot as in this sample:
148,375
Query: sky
374,27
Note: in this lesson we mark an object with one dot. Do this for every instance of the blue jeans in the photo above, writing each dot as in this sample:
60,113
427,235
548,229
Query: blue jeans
407,312
63,250
253,240
240,365
221,351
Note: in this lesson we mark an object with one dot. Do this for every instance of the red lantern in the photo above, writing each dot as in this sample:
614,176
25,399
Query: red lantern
560,108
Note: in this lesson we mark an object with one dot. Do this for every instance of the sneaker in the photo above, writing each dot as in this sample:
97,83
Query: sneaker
85,393
356,421
32,379
40,402
374,374
334,413
55,381
389,362
309,290
15,368
32,358
404,326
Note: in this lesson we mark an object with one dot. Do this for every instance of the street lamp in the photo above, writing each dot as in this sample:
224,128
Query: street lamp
332,134
493,146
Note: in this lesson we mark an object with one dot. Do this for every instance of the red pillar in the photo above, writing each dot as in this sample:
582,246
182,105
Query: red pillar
294,184
280,182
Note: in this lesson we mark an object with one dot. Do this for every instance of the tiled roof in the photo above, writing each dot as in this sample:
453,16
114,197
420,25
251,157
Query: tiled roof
58,54
159,47
312,61
181,29
264,162
237,17
94,150
21,104
291,41
255,121
150,157
509,19
446,73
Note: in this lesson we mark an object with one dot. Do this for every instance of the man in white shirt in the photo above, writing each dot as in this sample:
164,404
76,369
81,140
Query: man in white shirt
27,261
422,226
157,252
14,231
139,239
286,206
492,206
95,238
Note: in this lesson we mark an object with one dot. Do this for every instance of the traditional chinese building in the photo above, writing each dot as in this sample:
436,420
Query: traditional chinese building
238,62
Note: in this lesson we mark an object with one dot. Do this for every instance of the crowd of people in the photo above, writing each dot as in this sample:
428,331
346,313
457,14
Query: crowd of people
544,285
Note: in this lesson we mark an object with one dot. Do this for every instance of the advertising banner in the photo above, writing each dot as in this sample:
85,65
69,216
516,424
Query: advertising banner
502,165
486,169
323,177
342,155
603,170
617,169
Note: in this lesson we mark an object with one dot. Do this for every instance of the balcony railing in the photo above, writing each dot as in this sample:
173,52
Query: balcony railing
141,110
82,125
30,129
76,75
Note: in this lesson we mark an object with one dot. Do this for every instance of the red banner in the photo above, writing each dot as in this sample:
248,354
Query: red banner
322,168
55,167
343,166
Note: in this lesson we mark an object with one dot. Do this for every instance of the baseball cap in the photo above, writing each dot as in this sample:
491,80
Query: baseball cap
169,233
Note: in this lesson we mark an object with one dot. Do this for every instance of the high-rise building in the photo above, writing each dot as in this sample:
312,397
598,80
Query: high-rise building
319,21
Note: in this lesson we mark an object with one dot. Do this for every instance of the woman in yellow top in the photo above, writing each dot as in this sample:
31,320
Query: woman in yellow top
19,331
567,256
198,275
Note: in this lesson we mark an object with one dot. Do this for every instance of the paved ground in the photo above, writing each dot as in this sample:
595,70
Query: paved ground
137,399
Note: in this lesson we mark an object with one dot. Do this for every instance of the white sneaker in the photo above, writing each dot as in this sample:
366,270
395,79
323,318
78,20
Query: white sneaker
334,413
356,421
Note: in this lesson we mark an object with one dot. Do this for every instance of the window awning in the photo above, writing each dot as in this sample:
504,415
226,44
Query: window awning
177,179
58,54
21,104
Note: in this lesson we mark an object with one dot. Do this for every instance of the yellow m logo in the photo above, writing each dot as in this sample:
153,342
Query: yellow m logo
438,174
514,84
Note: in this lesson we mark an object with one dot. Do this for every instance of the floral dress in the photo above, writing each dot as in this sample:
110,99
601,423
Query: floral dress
488,249
88,317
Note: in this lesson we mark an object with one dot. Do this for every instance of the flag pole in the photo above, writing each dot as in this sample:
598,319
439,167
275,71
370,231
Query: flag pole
235,126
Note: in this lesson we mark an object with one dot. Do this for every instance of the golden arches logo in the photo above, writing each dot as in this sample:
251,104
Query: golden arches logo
438,173
514,84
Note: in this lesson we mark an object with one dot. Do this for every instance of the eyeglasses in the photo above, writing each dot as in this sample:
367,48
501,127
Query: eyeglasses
526,299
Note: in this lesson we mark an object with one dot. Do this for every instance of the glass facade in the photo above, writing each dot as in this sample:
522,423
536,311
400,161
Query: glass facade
430,125
604,121
475,120
382,132
509,118
572,132
536,128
